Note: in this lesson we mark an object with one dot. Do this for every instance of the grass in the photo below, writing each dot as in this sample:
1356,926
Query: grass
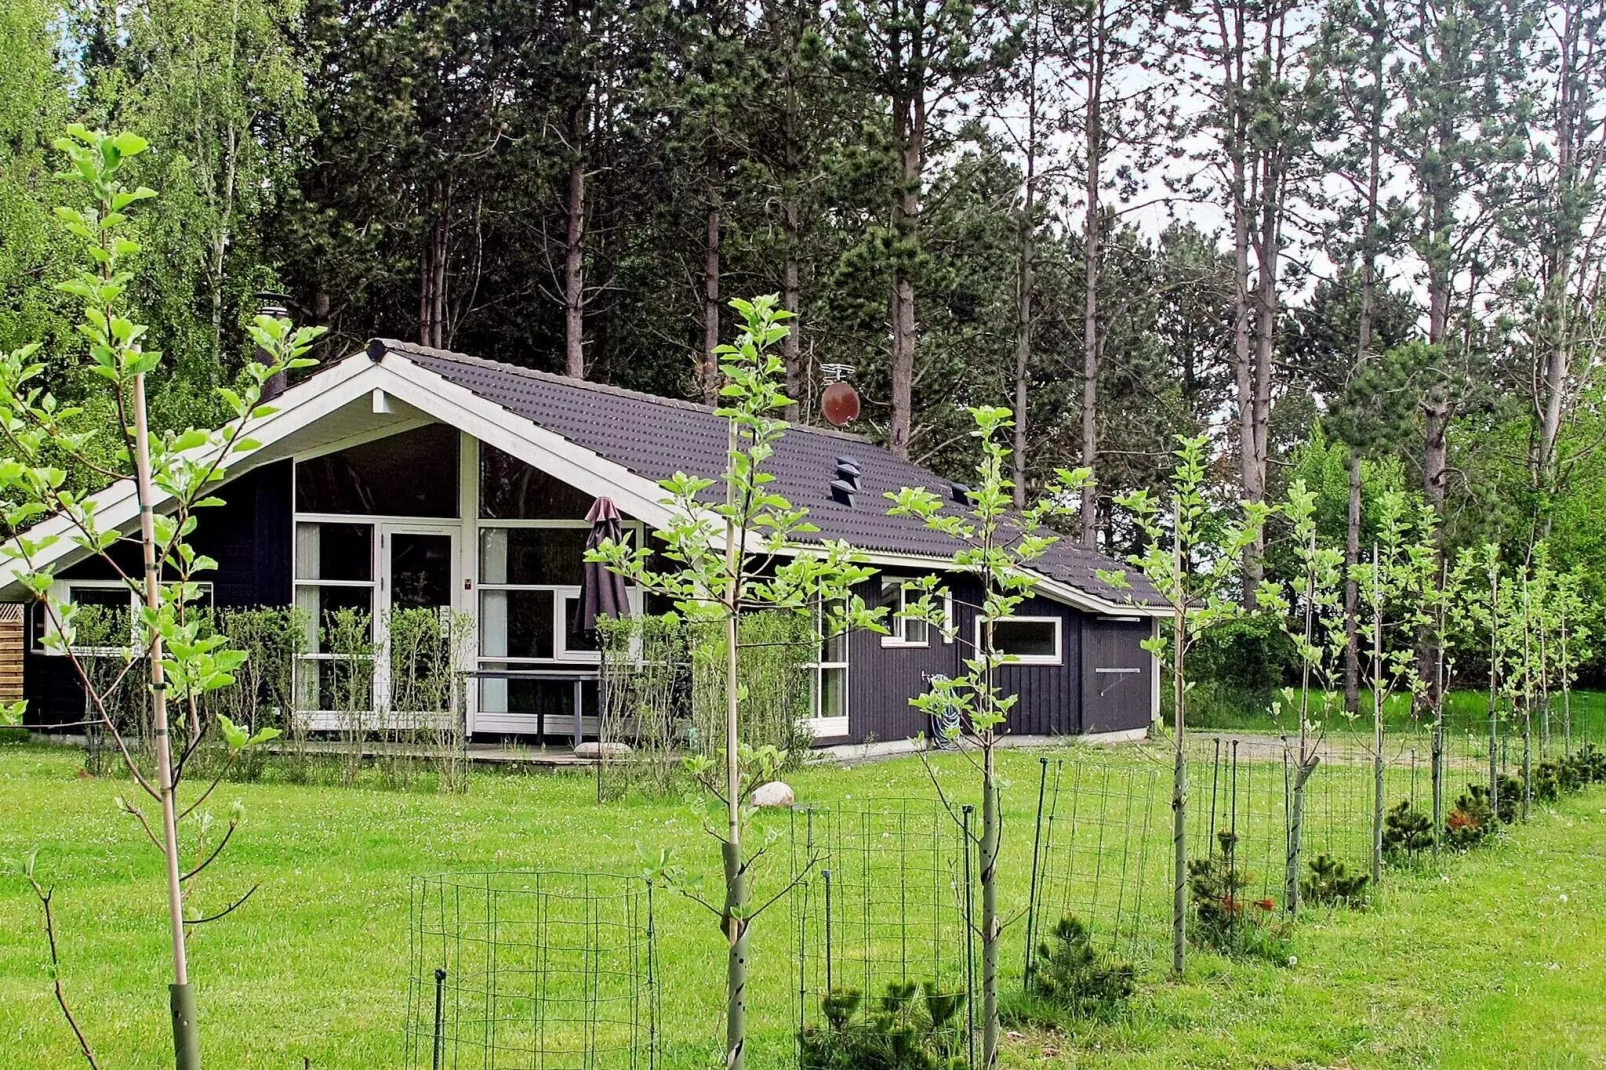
1211,706
1493,962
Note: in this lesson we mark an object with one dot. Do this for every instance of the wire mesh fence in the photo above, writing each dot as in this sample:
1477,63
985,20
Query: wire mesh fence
530,970
882,916
1103,838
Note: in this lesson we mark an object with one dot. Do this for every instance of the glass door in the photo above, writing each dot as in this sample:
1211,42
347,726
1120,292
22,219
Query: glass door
418,573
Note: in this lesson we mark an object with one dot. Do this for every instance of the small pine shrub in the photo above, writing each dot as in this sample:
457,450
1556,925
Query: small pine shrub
1075,977
1329,884
1547,781
1583,767
1223,920
1470,820
1407,832
910,1027
1590,761
1510,798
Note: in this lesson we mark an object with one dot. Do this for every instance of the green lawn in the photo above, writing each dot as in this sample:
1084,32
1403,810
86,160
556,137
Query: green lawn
1495,962
1465,710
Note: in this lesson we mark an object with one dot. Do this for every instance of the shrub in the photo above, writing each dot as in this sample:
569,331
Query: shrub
1252,654
1547,781
1073,976
1470,820
1510,798
1407,832
1329,884
1583,767
1223,920
911,1027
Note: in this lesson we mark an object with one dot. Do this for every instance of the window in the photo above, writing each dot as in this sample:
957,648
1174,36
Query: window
108,611
529,587
898,596
531,566
1026,640
513,490
334,579
413,473
828,680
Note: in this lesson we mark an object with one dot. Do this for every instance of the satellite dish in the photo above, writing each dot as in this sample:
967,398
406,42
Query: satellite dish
840,404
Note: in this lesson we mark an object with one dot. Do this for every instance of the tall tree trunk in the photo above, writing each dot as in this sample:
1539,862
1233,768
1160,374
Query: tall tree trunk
1023,304
1268,252
710,360
1363,349
791,301
791,221
1093,164
1244,377
909,130
574,355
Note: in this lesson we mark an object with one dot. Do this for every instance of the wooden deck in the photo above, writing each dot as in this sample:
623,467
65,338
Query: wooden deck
487,754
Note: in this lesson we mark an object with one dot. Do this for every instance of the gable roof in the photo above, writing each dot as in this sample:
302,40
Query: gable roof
655,437
607,442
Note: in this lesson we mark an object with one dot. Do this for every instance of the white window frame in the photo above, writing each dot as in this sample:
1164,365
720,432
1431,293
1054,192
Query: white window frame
561,654
1057,658
897,636
375,526
61,591
828,727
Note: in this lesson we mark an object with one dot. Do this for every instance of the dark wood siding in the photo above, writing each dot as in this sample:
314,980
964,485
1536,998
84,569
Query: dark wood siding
1115,701
250,537
882,680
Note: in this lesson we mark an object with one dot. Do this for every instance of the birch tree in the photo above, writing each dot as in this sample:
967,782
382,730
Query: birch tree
1189,557
174,476
997,546
730,557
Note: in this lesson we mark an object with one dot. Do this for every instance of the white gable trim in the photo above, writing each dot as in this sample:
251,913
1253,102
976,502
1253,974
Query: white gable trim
489,422
434,395
117,507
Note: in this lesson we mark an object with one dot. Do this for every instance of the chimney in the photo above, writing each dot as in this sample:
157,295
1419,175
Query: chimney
270,303
960,493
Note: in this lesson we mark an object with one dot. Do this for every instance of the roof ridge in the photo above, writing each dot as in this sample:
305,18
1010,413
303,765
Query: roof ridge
403,348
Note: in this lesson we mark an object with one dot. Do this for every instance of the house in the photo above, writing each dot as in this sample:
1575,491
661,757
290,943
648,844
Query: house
404,476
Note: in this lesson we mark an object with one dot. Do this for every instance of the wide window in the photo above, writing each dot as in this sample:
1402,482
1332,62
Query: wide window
828,680
1028,640
413,473
529,586
107,613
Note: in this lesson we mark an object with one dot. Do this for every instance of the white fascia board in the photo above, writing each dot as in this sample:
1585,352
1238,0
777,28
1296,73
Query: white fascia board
117,506
531,443
1050,588
1075,596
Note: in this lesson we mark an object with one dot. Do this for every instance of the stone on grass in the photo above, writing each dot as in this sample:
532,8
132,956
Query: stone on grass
593,749
775,793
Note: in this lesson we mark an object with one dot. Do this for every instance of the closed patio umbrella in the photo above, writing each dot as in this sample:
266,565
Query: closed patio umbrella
603,591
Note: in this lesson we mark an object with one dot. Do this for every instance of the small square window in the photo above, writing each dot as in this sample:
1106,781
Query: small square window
902,630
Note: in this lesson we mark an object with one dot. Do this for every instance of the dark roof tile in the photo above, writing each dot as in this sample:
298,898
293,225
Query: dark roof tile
655,437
